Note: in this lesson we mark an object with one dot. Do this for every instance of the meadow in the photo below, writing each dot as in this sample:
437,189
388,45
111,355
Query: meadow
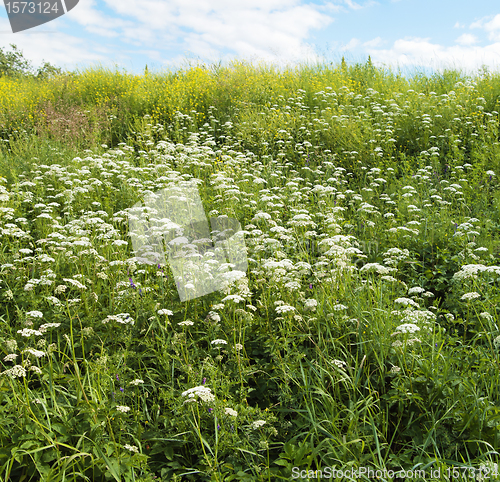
365,332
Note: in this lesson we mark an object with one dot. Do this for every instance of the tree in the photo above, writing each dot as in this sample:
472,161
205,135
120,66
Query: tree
13,64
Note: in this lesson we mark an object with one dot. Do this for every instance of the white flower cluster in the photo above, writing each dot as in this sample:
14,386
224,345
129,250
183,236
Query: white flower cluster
43,328
218,341
416,290
339,363
310,304
165,312
406,302
471,271
123,408
417,316
376,268
35,353
233,298
34,314
258,423
231,412
136,382
407,328
486,316
132,448
203,392
214,316
284,309
75,283
470,296
29,332
17,371
122,318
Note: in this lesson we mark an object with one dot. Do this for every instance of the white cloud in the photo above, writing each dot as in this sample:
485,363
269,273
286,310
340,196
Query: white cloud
492,27
467,39
352,44
267,29
459,25
421,52
270,30
353,5
58,48
376,42
357,6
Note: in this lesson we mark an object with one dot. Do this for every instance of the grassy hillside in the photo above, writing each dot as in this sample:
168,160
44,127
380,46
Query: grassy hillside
365,333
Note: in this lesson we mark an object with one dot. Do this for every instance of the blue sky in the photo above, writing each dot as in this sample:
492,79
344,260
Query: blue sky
166,34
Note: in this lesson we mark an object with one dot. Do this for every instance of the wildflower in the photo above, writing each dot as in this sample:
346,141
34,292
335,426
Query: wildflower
377,268
132,448
35,353
218,341
340,363
310,304
123,318
235,298
60,289
258,423
11,345
10,357
203,392
339,307
407,328
75,283
123,408
389,278
485,315
470,296
395,369
17,371
230,411
43,328
406,302
87,331
416,290
29,332
35,369
496,342
212,315
284,309
186,323
165,312
238,346
136,382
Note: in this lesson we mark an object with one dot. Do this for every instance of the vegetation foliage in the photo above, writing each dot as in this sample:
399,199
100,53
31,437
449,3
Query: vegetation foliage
365,333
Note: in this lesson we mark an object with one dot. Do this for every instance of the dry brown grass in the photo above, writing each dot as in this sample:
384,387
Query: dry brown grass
73,125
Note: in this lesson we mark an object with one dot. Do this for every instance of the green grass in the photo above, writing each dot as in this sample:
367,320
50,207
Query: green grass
365,334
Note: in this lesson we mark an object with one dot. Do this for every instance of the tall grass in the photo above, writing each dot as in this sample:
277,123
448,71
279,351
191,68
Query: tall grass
365,333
